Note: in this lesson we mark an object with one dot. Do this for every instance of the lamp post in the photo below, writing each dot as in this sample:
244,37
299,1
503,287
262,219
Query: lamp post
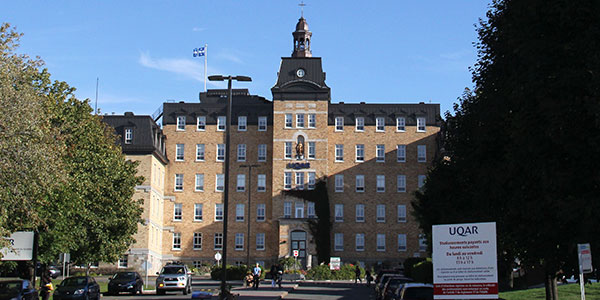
249,210
229,78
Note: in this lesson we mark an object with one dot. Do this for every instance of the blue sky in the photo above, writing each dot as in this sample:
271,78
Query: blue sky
141,51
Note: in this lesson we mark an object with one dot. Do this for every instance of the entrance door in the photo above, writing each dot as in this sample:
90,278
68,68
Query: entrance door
299,243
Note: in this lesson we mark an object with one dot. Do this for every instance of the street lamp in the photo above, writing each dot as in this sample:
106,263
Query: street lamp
229,78
249,210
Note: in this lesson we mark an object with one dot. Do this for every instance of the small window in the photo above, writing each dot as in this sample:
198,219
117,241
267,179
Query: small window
400,124
221,123
299,180
360,242
380,124
421,125
339,123
262,152
299,210
311,150
123,262
201,123
339,183
401,213
198,207
241,152
242,123
128,135
260,212
360,153
261,185
241,183
199,183
360,124
401,153
380,242
260,241
380,213
380,153
200,152
360,213
197,241
177,211
180,123
239,212
218,241
310,209
262,123
220,152
380,183
218,212
312,121
401,182
338,242
288,120
360,183
311,180
339,152
287,209
288,150
401,242
421,153
220,183
179,152
299,120
178,182
287,180
339,212
177,241
422,243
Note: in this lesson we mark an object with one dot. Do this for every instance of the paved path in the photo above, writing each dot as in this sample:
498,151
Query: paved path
331,291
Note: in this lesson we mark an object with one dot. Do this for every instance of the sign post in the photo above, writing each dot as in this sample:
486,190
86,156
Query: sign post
464,261
21,246
295,253
335,263
218,257
584,252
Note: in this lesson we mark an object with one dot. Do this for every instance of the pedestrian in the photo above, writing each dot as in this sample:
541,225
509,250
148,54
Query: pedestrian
369,278
273,273
46,285
279,274
357,274
256,273
248,279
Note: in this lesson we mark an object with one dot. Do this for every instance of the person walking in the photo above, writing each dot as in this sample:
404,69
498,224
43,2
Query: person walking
46,285
256,273
368,277
273,273
357,274
279,274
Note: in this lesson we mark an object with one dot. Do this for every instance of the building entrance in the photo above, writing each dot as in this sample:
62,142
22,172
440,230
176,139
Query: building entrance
299,243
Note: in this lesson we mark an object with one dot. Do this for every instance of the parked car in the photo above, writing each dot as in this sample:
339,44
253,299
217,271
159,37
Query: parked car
130,282
53,270
389,289
174,277
383,279
414,291
17,289
77,287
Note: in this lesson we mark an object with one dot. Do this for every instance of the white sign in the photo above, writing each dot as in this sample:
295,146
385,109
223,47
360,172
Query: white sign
464,261
295,253
218,256
585,258
335,263
21,246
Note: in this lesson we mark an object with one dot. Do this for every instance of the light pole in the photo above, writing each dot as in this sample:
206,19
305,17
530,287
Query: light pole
229,78
249,208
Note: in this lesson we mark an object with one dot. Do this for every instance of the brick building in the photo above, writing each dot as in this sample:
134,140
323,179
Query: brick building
372,157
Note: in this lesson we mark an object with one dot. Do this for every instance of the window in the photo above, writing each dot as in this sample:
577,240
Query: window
197,264
400,124
360,183
339,152
218,241
288,120
177,241
220,182
380,183
420,124
401,181
180,123
312,120
299,120
380,124
299,180
288,150
311,180
178,182
241,183
380,213
360,242
199,183
421,153
422,243
201,123
339,212
239,212
299,210
179,152
221,120
339,123
241,152
198,211
311,150
197,241
360,124
177,212
260,241
339,183
242,123
262,152
218,212
401,153
123,261
380,242
360,152
360,212
422,180
200,152
260,212
287,180
401,242
261,185
401,213
287,209
220,152
128,135
262,123
310,209
338,242
380,153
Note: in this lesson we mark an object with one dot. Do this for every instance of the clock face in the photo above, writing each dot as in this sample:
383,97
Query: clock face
300,73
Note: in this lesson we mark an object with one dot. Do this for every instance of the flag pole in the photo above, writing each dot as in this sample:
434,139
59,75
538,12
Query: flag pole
205,58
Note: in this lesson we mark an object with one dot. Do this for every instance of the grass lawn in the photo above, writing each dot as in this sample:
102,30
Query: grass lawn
565,292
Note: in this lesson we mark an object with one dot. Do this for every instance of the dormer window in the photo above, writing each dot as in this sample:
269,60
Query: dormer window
128,138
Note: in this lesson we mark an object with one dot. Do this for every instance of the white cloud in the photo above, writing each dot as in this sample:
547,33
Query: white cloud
230,57
198,29
185,67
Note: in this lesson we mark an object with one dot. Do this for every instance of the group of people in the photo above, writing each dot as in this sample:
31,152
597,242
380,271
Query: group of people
357,278
253,278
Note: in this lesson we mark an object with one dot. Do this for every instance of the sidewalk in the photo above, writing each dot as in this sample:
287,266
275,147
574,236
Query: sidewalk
265,291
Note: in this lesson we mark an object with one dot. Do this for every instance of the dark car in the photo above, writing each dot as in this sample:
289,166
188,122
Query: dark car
77,287
17,289
414,291
130,282
389,289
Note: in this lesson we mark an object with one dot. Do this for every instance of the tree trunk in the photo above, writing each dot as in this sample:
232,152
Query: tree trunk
550,285
87,269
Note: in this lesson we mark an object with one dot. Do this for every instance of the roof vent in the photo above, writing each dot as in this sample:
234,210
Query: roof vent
128,114
341,102
421,102
363,103
181,101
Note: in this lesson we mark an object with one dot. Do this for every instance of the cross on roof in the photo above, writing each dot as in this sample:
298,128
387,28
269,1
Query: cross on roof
302,5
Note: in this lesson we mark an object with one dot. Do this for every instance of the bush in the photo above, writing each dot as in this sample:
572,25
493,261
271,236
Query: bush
409,264
288,262
346,272
423,271
233,272
320,272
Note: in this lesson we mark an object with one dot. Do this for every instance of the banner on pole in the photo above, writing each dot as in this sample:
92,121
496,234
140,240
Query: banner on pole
21,246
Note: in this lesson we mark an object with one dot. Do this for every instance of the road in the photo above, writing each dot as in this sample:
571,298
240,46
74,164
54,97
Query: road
331,291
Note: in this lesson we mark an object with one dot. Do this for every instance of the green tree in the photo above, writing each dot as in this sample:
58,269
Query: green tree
520,150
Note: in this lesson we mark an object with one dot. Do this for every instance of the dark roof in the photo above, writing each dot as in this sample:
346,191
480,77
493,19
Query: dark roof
350,111
212,104
144,129
310,87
